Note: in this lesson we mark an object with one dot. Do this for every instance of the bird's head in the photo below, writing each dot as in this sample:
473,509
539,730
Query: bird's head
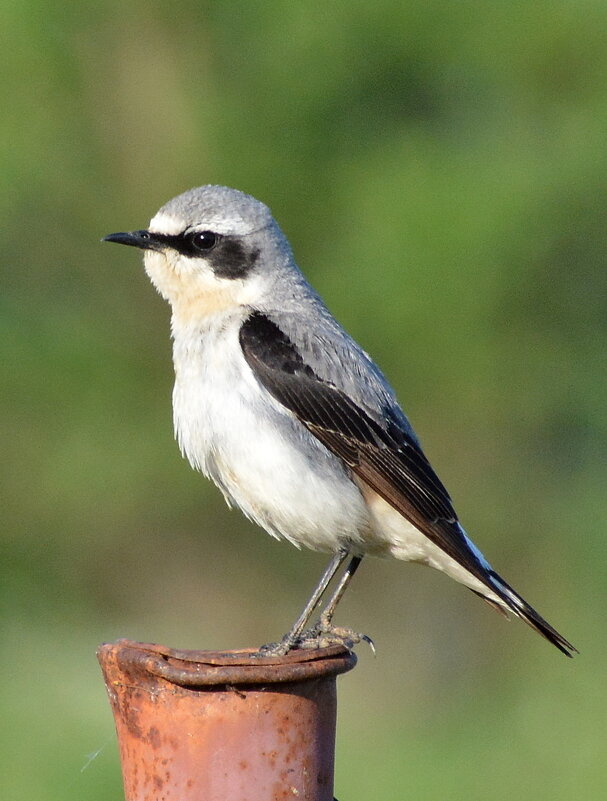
210,249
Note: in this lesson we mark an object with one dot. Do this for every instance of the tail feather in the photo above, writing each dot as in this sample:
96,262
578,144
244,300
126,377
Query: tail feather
493,604
522,609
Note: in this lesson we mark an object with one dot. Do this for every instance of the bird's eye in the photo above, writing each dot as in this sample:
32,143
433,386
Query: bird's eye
203,240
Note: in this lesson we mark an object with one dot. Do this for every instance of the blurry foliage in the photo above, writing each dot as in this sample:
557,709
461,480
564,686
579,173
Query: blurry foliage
441,170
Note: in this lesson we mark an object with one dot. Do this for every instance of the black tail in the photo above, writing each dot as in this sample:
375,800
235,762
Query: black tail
521,609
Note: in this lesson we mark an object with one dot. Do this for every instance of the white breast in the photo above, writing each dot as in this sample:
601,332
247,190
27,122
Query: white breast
262,459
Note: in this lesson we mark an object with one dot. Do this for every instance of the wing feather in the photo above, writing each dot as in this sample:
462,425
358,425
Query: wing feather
384,456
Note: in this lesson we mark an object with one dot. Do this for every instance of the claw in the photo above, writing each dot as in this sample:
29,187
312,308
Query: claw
369,642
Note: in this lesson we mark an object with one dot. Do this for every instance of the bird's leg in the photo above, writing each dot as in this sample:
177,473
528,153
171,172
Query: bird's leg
326,616
324,632
291,638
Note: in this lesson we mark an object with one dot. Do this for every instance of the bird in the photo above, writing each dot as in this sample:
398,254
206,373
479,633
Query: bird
292,420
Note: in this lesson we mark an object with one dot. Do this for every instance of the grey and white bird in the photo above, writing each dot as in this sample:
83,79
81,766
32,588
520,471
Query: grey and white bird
287,414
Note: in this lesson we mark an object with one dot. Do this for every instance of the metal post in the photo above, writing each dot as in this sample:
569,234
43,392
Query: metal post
212,726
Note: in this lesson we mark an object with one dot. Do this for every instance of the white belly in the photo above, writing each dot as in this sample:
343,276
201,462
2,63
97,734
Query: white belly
261,458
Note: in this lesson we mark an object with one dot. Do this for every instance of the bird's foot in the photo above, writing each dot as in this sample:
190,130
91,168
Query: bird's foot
322,635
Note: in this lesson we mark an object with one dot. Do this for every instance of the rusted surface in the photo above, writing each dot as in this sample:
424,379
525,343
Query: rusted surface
212,726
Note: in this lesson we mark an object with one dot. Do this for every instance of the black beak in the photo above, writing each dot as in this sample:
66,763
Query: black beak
136,239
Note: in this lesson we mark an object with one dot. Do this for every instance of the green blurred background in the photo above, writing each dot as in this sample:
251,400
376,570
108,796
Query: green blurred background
441,171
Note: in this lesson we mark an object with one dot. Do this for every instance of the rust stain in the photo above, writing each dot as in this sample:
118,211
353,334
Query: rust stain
154,737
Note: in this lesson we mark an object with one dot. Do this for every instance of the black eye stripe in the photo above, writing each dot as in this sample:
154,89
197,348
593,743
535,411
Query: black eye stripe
228,256
186,242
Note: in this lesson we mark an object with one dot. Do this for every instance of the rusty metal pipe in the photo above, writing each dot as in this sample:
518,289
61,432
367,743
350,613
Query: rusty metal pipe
213,726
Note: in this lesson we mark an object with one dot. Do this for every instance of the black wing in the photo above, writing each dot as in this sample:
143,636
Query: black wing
383,455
